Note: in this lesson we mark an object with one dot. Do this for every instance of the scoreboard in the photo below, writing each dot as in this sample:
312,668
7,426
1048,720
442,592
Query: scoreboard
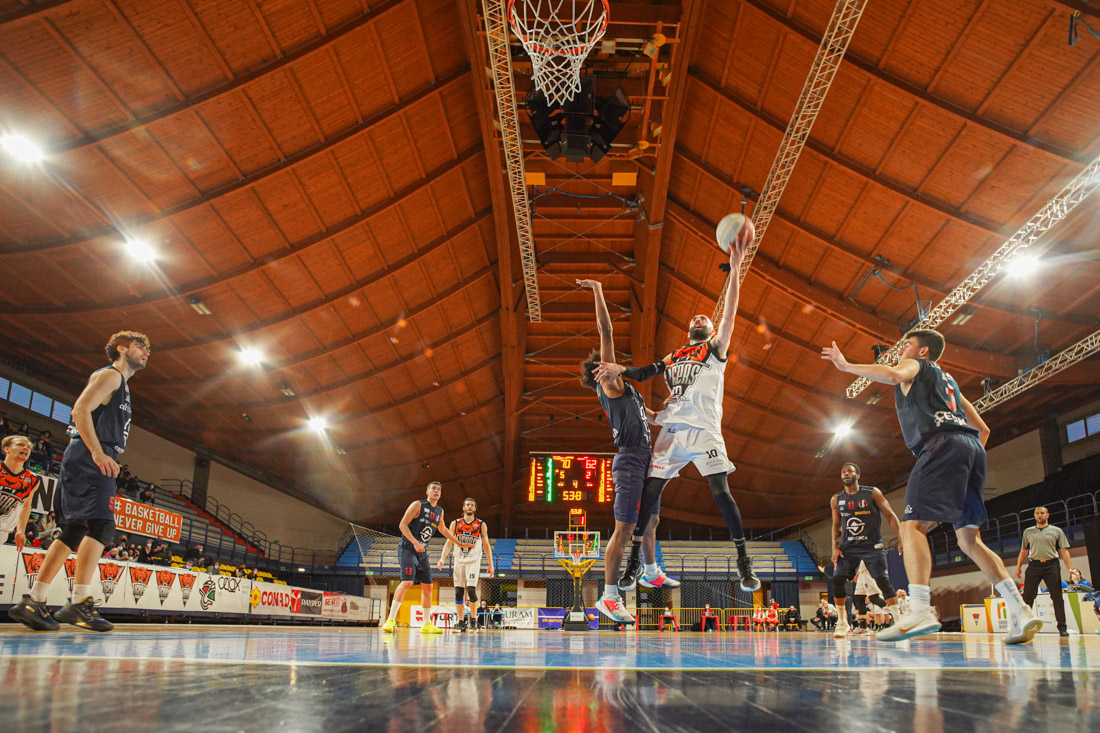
560,478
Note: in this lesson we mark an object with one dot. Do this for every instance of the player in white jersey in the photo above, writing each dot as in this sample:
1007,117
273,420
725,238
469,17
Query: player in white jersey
467,562
691,423
17,487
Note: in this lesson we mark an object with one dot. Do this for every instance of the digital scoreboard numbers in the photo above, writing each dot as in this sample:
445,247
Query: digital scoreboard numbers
558,478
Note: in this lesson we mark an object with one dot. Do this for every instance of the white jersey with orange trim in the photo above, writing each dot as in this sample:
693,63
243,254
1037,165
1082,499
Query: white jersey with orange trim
696,377
470,534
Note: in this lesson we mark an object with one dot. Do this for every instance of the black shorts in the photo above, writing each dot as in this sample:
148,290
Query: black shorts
414,565
83,492
629,469
947,484
848,566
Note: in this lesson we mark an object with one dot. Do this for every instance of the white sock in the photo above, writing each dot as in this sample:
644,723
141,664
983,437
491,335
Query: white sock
38,591
394,608
920,598
1008,590
80,592
611,592
651,570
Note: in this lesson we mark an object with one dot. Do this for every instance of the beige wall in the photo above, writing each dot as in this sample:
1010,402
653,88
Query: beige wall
1014,465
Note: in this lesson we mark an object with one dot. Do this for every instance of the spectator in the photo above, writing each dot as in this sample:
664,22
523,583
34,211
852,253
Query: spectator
826,616
148,494
1076,583
195,555
771,618
710,619
497,616
793,621
145,551
161,555
238,572
50,522
6,428
49,537
483,613
668,616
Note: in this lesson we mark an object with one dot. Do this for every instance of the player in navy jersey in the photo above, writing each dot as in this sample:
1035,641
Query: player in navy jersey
419,524
946,434
99,427
629,419
857,537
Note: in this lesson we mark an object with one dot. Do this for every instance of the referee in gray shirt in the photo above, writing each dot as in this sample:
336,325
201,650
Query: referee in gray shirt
1041,548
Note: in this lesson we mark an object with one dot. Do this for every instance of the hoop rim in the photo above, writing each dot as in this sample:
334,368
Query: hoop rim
538,48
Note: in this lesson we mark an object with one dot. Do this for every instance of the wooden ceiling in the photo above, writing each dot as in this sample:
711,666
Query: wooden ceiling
326,178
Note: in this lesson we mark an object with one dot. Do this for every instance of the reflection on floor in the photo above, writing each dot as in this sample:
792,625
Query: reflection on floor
295,679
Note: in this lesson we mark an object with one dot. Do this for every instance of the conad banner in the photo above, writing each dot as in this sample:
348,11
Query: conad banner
134,586
130,516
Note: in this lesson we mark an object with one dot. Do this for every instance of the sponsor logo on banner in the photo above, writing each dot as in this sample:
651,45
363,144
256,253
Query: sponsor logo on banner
289,599
164,584
206,594
187,582
139,578
32,563
228,583
70,571
254,597
310,602
295,601
109,575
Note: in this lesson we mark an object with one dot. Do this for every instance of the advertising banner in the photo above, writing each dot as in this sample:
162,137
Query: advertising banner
130,516
445,617
520,618
552,618
974,618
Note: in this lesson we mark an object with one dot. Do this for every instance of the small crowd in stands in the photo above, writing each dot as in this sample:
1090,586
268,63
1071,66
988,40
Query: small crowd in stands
45,453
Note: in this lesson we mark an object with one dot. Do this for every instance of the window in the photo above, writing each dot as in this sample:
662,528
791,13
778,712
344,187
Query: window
41,404
61,412
20,395
37,402
1074,431
4,388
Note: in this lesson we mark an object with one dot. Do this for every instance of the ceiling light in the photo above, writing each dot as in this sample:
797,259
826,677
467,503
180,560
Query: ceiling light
250,357
842,430
963,315
301,570
1023,266
140,250
318,424
286,389
198,306
21,148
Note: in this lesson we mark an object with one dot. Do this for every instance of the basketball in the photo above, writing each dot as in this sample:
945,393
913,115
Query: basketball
591,617
734,227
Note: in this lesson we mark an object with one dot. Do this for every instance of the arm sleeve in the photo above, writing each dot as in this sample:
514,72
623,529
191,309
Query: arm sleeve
640,374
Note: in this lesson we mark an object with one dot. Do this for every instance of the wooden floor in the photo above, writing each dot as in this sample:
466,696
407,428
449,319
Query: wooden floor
234,678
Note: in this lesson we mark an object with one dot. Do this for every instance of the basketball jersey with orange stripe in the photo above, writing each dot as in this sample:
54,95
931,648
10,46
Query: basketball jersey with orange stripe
15,489
470,534
696,377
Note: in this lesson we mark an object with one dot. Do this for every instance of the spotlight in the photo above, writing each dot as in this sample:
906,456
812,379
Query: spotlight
246,417
988,384
584,127
318,424
425,464
21,148
140,250
879,350
1022,266
250,357
198,306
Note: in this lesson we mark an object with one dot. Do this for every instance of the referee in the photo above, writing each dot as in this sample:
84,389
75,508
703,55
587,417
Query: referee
1041,547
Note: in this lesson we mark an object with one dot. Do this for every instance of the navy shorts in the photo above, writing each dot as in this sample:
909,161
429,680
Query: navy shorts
83,492
848,566
629,469
947,483
414,565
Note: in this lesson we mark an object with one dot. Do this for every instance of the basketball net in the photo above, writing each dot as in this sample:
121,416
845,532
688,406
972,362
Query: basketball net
374,547
558,45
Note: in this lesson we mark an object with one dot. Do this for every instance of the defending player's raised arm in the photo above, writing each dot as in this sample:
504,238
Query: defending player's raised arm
603,319
446,547
403,526
888,511
729,305
638,374
99,389
905,370
975,420
486,547
836,530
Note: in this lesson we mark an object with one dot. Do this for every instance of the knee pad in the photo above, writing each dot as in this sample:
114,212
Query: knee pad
860,603
885,586
471,591
877,601
102,530
459,592
71,535
840,587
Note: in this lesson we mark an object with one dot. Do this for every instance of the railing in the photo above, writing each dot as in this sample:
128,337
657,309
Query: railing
1003,534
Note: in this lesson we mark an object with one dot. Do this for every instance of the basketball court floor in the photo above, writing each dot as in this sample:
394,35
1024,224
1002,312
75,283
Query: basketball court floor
218,678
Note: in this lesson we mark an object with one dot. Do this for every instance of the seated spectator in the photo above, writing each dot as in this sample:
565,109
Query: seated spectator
771,618
1077,583
793,621
497,616
6,428
161,555
826,616
145,551
50,522
49,537
483,614
669,616
195,555
759,618
710,619
148,495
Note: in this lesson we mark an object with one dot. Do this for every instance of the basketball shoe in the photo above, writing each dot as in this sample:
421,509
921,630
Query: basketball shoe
33,614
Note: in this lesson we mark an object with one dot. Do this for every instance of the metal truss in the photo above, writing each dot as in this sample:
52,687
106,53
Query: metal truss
1058,208
834,43
500,60
1083,349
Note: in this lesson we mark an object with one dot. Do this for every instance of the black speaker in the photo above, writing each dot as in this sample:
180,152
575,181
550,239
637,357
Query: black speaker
1092,545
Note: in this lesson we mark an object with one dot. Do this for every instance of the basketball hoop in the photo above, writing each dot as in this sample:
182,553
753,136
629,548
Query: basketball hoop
558,46
576,551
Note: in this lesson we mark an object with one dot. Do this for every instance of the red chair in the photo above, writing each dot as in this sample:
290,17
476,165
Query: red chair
669,615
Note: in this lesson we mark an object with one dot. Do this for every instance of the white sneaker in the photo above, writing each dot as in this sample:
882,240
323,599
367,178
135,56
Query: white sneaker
614,609
909,625
1023,627
841,630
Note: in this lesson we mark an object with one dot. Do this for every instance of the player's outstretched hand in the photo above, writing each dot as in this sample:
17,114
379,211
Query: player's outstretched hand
590,284
832,353
607,369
